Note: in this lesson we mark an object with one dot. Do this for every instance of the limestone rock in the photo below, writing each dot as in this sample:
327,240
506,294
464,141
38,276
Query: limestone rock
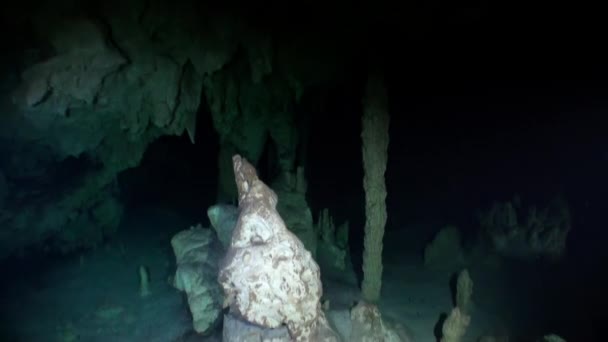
298,218
341,322
294,209
86,96
539,233
268,277
75,74
464,291
368,325
342,234
238,330
197,254
333,252
326,227
223,219
247,112
455,326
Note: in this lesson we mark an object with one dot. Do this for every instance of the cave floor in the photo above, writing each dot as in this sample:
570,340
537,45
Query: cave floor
94,296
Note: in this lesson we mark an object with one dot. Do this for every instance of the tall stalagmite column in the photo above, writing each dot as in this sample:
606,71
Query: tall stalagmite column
375,149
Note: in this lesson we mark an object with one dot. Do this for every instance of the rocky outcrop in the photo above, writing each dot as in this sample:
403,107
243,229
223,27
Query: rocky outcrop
197,253
247,111
455,326
237,330
333,252
90,87
86,87
464,291
293,207
369,326
527,234
223,219
267,276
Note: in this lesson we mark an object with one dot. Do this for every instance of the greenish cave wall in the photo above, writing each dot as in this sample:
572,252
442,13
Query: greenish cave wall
93,84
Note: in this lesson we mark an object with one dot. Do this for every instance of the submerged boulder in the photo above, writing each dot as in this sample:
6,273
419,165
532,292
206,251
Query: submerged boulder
197,253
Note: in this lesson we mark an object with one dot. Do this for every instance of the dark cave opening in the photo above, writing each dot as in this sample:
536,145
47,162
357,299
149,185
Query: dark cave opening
175,173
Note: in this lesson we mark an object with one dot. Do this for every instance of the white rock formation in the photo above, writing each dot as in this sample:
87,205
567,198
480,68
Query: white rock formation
197,255
268,277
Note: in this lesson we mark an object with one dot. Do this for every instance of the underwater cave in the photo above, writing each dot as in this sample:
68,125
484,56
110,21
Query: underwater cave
199,171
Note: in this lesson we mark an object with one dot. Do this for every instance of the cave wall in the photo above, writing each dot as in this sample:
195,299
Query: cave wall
95,83
86,87
247,112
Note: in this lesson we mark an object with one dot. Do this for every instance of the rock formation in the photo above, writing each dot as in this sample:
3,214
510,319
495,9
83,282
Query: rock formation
246,112
197,253
375,124
223,219
455,326
293,208
86,87
464,291
333,252
515,233
236,330
267,276
90,86
368,325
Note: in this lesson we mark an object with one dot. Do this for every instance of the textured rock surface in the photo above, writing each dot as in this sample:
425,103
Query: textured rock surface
464,291
268,277
95,82
375,138
223,219
238,330
455,326
197,253
294,209
340,321
246,113
93,85
538,233
368,325
333,252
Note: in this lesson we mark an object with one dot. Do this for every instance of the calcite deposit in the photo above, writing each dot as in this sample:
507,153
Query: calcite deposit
268,277
197,253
